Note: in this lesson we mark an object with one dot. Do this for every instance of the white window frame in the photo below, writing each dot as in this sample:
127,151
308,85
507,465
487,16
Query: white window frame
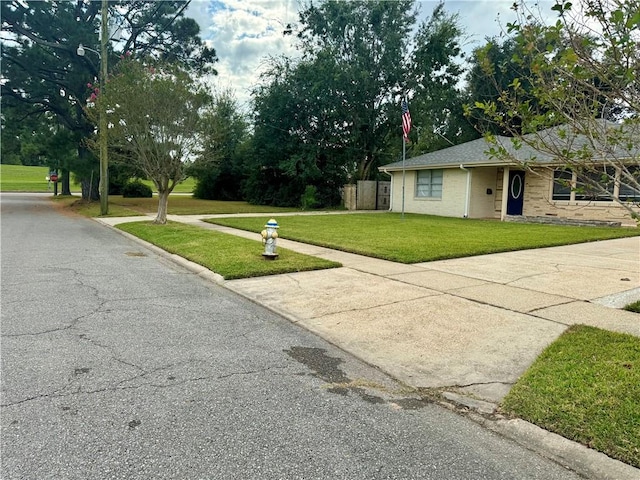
429,183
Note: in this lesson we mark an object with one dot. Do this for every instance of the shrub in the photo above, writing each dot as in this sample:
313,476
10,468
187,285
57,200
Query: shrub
308,199
136,189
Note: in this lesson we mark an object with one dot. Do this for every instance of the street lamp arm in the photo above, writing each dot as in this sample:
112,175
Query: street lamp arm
81,51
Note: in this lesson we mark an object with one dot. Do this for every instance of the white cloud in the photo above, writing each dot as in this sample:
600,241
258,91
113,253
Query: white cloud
246,32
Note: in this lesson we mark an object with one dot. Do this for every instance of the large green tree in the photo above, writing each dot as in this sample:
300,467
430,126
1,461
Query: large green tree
492,71
433,77
23,135
219,170
334,115
300,140
41,69
361,46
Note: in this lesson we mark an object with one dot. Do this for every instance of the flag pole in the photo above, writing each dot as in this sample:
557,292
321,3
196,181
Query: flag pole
406,127
404,152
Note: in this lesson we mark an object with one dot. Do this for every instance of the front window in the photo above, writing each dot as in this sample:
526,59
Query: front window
562,181
429,184
629,182
596,184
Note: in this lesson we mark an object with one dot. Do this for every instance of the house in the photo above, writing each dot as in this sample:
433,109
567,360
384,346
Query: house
465,181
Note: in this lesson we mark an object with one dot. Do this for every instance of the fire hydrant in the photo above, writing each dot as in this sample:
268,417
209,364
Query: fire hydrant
269,236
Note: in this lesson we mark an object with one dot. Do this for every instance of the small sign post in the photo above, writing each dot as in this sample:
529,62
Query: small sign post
53,177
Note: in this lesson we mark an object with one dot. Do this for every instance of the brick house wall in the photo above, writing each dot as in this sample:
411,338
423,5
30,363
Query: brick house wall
538,202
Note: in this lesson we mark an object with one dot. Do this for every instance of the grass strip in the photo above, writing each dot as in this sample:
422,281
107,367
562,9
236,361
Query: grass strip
230,256
586,387
423,238
92,209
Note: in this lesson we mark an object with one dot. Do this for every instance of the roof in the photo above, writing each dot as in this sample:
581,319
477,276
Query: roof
475,153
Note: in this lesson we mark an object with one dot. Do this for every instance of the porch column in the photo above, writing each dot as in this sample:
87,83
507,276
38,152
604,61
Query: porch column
505,193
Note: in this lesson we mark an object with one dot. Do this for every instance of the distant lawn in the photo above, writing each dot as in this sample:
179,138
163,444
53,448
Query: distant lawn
20,178
178,205
23,178
585,387
185,187
187,205
423,238
228,255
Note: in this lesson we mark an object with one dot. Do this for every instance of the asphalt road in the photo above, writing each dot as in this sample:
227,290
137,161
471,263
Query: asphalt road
119,364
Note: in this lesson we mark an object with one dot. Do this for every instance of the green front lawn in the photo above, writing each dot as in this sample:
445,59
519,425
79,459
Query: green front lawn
585,387
423,238
228,255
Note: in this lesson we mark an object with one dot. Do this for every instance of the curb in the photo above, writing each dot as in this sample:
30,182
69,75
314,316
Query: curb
574,456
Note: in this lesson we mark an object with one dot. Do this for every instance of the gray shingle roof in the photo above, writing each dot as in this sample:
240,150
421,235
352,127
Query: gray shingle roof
474,153
471,154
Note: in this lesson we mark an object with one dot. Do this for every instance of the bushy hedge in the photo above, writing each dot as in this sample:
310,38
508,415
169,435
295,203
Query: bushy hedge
136,189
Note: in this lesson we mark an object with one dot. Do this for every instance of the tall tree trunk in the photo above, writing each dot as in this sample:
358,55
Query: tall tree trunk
163,202
89,186
89,178
66,184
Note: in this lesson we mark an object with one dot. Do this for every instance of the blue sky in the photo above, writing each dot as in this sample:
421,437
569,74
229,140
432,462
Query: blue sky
245,32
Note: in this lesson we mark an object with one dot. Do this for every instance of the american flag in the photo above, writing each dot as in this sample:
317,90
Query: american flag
406,120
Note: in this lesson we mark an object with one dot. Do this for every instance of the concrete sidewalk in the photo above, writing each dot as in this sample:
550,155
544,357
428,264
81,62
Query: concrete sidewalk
468,327
473,325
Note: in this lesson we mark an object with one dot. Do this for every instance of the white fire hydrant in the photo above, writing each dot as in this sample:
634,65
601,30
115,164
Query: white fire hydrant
269,236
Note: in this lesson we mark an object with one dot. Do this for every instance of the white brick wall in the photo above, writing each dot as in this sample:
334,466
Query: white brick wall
483,203
451,204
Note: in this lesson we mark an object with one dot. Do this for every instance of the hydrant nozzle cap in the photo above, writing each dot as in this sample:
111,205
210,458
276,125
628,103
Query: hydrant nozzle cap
272,223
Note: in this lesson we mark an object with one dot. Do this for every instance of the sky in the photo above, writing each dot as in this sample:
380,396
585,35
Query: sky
246,32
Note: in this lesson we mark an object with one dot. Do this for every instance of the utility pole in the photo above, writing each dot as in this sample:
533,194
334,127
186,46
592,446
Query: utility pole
104,162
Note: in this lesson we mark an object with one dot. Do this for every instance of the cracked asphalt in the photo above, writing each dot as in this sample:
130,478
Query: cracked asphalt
118,364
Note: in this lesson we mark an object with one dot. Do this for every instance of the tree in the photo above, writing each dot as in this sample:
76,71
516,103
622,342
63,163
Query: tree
585,105
360,45
153,111
433,77
492,71
22,136
41,69
219,170
297,142
334,115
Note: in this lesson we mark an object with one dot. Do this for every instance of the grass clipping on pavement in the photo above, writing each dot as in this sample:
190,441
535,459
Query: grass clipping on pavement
585,387
230,256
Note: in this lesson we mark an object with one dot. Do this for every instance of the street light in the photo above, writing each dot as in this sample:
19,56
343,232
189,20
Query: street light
104,161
